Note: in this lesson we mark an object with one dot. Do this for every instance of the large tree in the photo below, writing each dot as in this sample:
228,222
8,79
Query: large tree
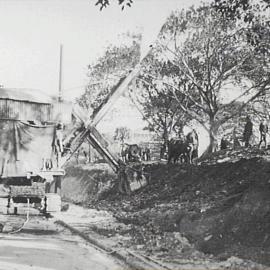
158,106
209,52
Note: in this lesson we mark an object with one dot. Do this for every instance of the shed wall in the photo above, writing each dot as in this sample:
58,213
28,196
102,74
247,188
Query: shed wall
21,110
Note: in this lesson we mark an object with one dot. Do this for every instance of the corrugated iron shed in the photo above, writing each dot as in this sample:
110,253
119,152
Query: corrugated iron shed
25,104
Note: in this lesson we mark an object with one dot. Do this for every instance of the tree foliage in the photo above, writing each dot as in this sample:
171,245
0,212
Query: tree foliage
123,3
159,107
121,134
241,9
106,72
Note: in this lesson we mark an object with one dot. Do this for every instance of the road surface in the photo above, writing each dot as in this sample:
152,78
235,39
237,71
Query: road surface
42,245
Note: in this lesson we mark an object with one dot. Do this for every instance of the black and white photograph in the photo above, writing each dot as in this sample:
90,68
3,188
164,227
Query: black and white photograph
134,134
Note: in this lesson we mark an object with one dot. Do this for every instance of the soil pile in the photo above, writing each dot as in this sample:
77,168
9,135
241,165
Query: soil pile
233,155
84,183
220,207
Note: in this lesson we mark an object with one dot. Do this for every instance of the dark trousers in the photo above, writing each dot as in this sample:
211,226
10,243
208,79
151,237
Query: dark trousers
263,139
246,140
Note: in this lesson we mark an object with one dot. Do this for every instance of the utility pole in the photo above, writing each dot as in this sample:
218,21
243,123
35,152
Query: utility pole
60,93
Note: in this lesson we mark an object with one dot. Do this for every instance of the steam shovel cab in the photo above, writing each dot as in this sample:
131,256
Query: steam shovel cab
30,179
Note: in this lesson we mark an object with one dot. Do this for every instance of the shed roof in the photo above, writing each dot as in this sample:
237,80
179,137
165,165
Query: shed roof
28,95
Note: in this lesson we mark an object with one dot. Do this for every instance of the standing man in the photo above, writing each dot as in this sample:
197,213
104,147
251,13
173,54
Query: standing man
57,143
59,137
224,144
248,131
263,131
147,152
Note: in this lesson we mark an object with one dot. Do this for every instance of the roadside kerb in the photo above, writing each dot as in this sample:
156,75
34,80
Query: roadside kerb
131,259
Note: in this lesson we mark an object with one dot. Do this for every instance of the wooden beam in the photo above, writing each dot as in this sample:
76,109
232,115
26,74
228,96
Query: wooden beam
112,98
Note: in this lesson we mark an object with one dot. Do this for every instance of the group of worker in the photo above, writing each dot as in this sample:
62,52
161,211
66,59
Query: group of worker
248,131
247,134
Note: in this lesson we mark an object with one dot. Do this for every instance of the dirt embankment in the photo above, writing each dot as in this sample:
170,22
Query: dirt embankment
85,183
222,209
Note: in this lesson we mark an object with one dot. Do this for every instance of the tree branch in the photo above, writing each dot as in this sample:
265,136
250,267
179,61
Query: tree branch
263,88
190,113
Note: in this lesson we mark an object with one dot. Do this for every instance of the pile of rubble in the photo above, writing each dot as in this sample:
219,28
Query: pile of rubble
218,208
234,155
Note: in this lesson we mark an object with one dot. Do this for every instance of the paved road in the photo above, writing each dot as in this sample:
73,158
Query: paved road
44,246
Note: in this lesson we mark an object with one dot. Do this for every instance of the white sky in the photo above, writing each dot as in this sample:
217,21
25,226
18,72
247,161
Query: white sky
31,32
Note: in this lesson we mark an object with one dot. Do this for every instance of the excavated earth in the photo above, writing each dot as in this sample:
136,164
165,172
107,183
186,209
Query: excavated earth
216,210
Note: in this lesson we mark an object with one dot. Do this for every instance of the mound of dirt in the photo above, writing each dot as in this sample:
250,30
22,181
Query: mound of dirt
233,155
85,183
218,209
221,208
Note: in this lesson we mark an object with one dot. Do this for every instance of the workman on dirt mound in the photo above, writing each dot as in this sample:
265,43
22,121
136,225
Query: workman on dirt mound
263,132
248,130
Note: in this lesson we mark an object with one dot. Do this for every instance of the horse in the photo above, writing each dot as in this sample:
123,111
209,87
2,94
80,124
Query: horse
184,148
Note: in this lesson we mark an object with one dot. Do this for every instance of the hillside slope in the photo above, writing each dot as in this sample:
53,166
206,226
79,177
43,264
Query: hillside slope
219,208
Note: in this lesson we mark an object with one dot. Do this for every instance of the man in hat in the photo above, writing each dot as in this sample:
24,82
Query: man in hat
248,130
263,131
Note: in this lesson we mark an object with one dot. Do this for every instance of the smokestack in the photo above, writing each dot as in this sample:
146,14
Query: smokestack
60,93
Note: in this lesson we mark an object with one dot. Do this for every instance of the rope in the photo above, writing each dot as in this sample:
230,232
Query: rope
27,218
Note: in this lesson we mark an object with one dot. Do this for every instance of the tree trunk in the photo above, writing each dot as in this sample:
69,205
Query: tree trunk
213,145
164,147
213,137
